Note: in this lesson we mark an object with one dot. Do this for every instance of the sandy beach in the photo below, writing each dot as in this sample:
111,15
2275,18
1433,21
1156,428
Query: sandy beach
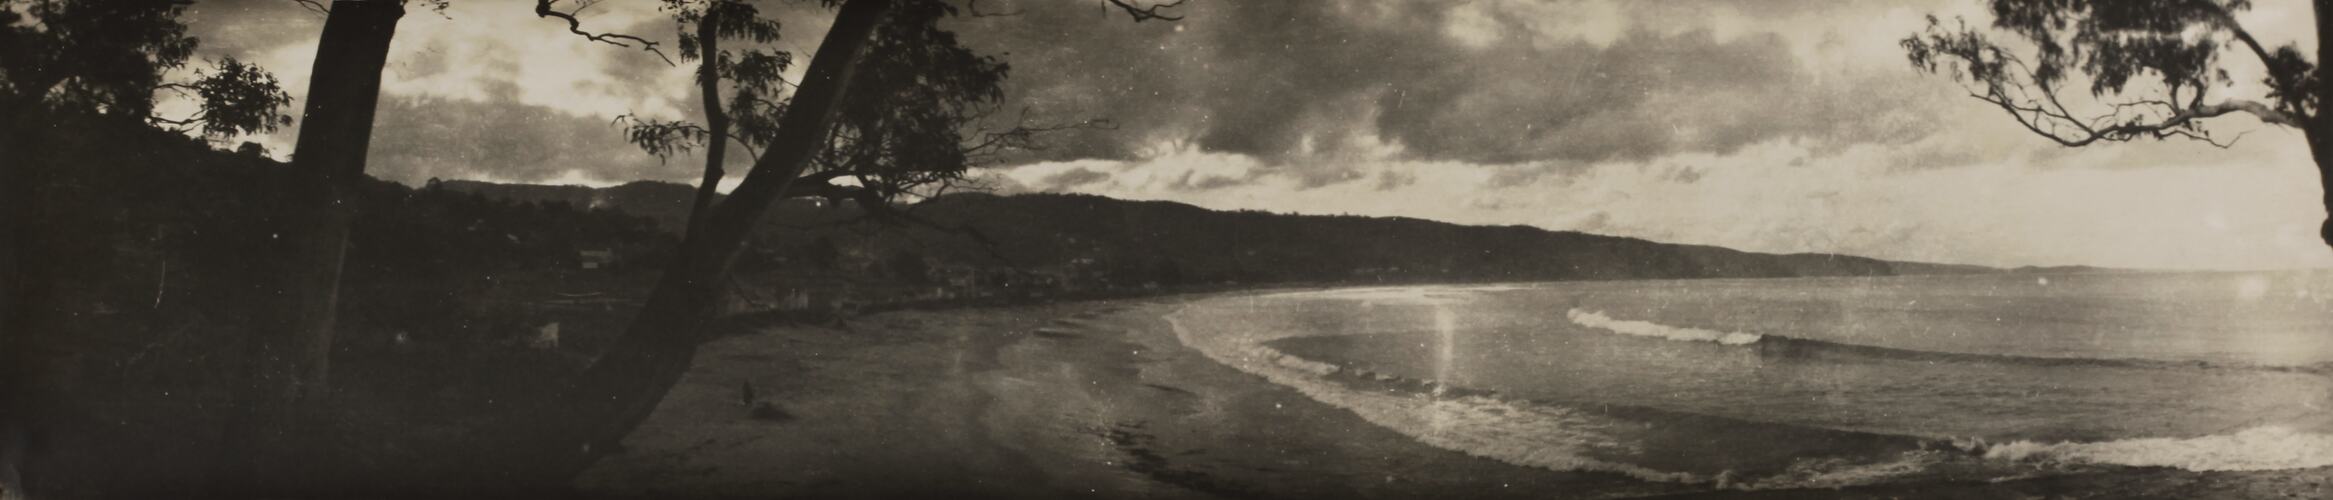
1098,399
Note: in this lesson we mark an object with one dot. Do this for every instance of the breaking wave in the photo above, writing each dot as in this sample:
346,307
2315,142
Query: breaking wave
1548,436
1651,329
1412,295
1535,436
1647,444
1780,345
2258,448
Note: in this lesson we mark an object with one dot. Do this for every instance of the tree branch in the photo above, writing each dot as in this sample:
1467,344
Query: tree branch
543,9
180,125
1141,14
2043,121
315,6
874,208
181,88
2284,82
2264,112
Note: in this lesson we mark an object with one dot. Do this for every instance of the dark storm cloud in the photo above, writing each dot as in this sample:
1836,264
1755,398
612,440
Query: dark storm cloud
1285,80
1309,87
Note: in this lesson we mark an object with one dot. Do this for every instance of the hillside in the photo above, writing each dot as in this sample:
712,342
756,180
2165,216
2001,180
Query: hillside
1258,246
1173,242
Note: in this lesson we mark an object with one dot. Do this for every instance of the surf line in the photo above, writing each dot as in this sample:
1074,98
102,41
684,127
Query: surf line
1600,321
1597,319
1513,432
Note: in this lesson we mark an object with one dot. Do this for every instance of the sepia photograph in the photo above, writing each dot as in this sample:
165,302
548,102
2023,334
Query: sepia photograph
1166,249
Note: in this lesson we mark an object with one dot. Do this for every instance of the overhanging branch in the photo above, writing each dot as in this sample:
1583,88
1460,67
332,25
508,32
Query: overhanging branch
2053,122
1141,14
2285,82
543,9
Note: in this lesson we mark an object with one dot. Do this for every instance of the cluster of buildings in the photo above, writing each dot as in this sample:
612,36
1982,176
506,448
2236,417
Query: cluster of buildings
847,292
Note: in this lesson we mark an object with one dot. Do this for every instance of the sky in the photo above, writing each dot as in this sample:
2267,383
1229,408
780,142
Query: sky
1762,125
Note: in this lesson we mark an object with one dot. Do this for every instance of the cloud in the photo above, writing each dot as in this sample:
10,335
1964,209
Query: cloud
487,89
1481,82
1684,174
1388,180
421,137
1192,181
1070,179
1786,196
240,27
1520,174
1310,89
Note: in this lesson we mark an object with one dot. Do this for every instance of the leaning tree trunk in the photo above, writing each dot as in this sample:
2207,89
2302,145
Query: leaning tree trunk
2319,128
2321,152
546,446
288,348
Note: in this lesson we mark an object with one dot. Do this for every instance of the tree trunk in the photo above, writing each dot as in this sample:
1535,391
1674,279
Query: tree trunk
287,351
598,408
24,284
716,120
2319,129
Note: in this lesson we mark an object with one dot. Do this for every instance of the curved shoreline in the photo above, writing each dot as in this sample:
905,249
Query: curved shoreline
1098,399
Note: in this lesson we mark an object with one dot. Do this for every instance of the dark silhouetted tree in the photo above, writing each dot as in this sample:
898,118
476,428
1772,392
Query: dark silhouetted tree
288,347
111,58
592,412
107,59
915,127
830,136
2082,72
232,98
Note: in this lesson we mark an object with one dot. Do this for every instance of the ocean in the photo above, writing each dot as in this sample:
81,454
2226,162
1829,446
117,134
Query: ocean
1816,382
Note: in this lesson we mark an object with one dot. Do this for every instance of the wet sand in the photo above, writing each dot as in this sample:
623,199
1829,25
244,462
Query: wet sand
1098,399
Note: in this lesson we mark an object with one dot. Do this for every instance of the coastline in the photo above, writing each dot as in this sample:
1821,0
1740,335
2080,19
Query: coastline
1098,399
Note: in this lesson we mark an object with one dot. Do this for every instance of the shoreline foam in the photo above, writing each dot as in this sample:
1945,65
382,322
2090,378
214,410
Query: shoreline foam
1599,321
887,409
1556,438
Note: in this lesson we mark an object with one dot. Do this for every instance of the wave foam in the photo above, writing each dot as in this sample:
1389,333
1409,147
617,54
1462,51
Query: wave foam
2258,448
1404,295
1597,319
1557,437
1529,435
1840,473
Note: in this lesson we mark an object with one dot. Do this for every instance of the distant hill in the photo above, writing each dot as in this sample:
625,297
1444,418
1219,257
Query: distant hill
665,202
1179,242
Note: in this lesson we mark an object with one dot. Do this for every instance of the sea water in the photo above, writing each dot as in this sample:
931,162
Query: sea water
1817,381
